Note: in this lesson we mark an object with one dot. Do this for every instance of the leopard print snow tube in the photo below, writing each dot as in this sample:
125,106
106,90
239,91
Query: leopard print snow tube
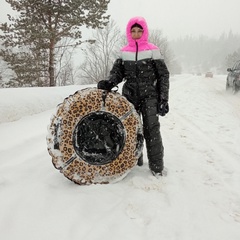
95,137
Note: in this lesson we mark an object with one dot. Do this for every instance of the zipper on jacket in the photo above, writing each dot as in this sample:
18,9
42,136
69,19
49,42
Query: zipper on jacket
136,59
136,51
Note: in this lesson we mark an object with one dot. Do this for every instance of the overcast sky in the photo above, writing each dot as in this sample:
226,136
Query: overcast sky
176,18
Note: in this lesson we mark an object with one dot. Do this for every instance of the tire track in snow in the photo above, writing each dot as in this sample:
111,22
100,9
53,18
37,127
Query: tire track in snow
208,140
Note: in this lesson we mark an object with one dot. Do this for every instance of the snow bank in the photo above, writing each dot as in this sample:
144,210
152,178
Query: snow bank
16,103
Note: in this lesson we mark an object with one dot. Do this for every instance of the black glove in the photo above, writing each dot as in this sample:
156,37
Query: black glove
163,108
105,85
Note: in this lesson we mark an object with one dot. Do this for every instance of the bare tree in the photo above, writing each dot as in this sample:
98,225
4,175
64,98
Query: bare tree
157,38
99,56
64,68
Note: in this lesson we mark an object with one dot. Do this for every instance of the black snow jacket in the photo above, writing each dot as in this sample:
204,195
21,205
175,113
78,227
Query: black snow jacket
143,68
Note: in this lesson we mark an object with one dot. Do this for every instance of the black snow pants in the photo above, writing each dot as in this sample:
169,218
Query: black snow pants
147,108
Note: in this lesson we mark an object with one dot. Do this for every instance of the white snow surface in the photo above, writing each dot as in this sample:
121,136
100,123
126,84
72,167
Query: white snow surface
199,199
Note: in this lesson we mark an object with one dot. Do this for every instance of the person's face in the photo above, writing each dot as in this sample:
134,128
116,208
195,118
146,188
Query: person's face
136,32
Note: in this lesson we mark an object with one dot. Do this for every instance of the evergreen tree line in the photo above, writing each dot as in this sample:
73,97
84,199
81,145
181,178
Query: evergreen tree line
202,54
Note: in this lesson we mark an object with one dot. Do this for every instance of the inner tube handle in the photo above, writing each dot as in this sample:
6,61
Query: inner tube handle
104,96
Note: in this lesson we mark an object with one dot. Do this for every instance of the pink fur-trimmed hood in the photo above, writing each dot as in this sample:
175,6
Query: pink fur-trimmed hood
143,43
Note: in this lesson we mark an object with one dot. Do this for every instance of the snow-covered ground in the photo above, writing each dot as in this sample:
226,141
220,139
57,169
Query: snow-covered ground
198,200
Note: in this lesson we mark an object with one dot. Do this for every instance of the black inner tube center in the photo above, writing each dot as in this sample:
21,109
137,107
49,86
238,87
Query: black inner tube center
99,138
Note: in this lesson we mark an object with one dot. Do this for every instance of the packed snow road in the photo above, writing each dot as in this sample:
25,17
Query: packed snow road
199,199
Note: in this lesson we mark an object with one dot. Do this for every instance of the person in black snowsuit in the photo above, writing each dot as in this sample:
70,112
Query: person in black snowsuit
146,86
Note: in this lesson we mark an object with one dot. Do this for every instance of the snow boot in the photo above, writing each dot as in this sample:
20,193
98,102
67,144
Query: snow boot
157,170
158,174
